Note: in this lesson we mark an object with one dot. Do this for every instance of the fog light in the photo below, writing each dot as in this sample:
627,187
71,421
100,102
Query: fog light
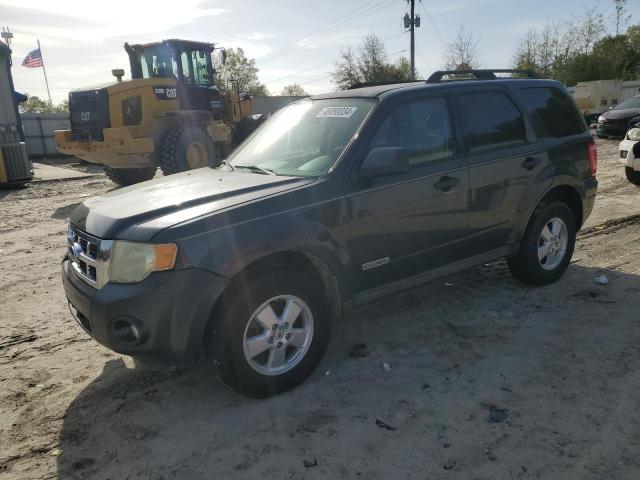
128,331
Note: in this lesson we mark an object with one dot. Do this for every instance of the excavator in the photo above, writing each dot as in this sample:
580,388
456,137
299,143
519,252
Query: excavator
170,114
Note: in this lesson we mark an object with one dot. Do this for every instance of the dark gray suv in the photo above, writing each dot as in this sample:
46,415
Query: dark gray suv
335,201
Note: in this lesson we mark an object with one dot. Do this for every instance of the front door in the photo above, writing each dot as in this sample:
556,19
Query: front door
406,223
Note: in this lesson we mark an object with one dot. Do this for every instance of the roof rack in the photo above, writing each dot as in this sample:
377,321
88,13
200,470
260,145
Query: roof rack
377,84
436,77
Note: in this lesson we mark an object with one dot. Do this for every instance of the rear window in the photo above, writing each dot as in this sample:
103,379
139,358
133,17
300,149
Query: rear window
552,112
493,121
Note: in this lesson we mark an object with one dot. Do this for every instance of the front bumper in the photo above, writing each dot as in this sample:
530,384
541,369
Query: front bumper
119,148
169,310
630,154
612,129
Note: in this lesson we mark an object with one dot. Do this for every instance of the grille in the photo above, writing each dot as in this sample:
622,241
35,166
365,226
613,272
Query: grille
83,252
16,161
89,112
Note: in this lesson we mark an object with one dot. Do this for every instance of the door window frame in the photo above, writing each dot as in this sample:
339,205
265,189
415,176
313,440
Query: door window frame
530,136
379,116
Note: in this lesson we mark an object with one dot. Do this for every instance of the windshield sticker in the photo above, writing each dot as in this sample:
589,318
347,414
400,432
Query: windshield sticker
336,112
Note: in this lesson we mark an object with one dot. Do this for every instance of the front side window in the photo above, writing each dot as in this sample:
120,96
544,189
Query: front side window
492,121
305,138
422,128
552,112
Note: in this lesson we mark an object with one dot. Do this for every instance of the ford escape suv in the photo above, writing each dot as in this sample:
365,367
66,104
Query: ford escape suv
335,201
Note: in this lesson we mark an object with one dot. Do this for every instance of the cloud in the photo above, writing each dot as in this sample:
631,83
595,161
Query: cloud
95,22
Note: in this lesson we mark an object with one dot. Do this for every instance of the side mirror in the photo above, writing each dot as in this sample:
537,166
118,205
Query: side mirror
383,161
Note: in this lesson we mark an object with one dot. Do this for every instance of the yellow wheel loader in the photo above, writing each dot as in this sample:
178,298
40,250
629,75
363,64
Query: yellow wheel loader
170,114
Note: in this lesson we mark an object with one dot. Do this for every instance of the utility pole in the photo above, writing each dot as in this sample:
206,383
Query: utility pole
412,22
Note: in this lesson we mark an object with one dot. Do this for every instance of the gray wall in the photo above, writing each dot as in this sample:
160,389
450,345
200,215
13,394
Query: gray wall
38,132
268,105
629,89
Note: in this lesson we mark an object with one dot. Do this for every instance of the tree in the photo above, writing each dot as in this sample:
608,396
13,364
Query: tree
369,64
240,73
620,16
294,90
462,53
34,105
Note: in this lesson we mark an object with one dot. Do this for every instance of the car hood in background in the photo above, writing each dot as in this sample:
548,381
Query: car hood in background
621,114
117,214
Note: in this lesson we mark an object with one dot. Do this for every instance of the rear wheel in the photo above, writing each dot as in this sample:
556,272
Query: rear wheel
632,175
186,148
270,335
546,246
129,176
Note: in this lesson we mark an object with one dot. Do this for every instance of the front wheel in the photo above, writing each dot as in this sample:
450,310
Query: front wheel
546,246
632,175
270,334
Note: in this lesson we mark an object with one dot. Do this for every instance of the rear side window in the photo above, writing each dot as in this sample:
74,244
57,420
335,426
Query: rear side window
552,112
492,121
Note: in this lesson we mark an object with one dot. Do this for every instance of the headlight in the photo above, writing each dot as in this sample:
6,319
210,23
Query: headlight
133,262
601,119
634,134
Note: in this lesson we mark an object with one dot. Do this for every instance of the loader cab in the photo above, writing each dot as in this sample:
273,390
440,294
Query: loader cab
188,62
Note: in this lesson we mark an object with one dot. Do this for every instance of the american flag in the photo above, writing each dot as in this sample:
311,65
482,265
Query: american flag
33,59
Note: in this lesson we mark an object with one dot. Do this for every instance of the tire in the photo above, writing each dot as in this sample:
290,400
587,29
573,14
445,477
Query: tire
129,176
526,266
632,175
175,154
235,319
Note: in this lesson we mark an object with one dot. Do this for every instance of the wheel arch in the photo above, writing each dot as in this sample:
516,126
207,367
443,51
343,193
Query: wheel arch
566,193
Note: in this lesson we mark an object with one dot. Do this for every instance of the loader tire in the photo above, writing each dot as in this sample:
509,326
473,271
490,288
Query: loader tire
185,148
128,176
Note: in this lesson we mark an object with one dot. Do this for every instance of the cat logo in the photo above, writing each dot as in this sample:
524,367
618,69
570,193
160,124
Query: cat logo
85,116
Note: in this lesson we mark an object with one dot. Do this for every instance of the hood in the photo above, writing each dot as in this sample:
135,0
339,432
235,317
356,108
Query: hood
621,114
140,211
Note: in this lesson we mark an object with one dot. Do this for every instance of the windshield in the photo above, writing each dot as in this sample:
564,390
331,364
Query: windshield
305,138
633,102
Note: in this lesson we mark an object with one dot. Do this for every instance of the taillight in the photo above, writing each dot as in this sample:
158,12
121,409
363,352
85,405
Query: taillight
593,157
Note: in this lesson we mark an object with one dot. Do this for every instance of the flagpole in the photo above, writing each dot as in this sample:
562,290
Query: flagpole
45,73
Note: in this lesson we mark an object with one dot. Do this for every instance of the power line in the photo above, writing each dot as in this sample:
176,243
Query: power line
433,24
323,64
329,28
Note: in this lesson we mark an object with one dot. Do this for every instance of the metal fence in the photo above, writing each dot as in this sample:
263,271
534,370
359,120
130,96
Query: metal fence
38,132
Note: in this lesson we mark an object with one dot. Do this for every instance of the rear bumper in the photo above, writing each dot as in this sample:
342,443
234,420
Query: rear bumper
591,190
118,149
169,310
630,154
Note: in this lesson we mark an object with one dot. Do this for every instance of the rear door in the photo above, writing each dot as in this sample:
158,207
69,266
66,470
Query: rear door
505,159
406,223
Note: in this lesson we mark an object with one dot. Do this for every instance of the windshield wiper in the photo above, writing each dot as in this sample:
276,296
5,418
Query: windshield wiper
227,164
255,168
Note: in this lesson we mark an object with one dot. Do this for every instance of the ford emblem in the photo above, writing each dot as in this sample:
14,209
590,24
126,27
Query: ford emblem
75,250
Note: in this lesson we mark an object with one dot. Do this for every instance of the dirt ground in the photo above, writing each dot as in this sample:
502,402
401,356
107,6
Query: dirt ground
488,379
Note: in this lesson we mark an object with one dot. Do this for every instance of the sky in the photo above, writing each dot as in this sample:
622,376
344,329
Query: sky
293,41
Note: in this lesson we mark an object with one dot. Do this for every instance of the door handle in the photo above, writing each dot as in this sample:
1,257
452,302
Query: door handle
530,163
446,183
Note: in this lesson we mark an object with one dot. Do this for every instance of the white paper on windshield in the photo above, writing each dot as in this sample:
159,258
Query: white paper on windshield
336,112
